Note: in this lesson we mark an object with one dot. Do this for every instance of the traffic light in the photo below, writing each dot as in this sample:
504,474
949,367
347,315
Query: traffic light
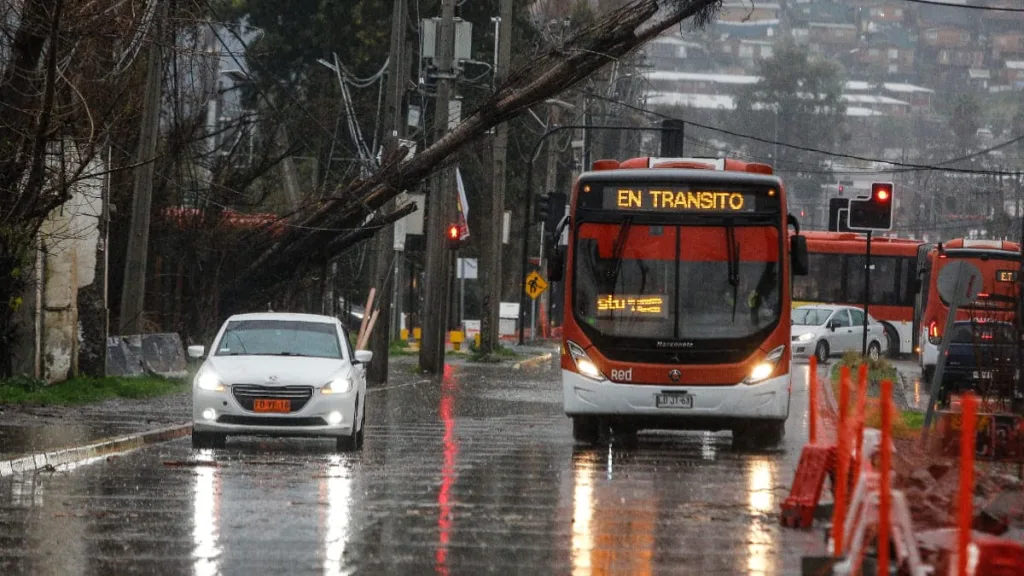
453,236
543,209
875,211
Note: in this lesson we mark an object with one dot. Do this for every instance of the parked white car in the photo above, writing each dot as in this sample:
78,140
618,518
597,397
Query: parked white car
277,374
825,331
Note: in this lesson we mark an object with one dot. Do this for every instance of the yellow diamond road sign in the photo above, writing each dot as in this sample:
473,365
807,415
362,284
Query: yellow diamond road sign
535,285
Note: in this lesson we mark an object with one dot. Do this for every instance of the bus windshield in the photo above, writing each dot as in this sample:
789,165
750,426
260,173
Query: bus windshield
677,282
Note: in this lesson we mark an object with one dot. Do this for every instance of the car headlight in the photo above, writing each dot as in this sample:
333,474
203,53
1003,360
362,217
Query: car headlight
207,379
765,368
805,337
340,385
584,365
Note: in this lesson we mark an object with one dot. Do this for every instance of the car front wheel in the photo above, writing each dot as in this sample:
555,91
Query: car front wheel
821,351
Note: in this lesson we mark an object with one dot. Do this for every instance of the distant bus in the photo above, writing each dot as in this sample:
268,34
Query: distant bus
836,276
997,260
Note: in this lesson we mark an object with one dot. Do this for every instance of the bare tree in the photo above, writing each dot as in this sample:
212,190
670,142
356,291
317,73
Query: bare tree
63,86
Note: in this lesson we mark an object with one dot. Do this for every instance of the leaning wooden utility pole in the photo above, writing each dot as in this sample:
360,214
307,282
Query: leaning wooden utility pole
384,243
492,254
133,292
439,208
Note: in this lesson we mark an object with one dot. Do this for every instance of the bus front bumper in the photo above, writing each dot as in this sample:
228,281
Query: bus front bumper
767,400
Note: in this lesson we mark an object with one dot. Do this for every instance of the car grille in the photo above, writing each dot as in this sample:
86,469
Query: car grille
245,394
271,421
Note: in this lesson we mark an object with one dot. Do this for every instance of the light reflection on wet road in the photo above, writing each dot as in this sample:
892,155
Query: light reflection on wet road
475,474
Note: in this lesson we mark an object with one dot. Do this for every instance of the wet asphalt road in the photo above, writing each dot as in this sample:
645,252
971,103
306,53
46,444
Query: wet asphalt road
477,473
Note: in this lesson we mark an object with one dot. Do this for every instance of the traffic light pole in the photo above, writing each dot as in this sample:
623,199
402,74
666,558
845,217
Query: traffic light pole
867,296
524,256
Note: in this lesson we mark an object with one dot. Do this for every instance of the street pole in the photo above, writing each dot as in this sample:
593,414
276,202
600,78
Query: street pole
462,290
133,292
439,209
490,271
867,297
384,269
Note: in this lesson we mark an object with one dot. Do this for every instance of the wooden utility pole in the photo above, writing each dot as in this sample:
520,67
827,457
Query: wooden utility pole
385,274
439,209
491,273
133,293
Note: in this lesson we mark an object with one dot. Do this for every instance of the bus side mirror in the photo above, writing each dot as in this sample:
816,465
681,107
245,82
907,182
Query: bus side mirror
798,255
556,264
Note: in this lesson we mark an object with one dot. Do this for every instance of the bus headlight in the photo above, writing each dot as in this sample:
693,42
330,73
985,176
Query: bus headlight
765,368
584,365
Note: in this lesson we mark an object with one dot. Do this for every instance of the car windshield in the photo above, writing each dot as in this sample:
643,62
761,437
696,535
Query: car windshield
280,338
810,316
692,282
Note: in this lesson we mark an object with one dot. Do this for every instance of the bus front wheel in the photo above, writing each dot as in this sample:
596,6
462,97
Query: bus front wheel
586,429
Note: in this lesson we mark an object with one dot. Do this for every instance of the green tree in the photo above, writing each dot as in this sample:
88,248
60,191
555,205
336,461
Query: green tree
798,100
964,120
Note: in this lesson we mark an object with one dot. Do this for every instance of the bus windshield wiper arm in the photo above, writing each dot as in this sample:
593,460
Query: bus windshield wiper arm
732,250
620,245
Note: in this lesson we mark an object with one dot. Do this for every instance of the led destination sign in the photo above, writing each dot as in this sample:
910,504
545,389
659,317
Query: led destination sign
666,199
649,306
1006,275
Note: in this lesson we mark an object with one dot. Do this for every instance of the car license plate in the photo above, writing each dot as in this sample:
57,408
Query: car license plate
986,375
674,400
267,405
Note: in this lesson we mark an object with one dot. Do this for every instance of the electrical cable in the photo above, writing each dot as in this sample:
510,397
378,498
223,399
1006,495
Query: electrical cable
833,154
966,6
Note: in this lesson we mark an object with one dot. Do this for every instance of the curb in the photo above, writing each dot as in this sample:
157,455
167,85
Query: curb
65,456
533,362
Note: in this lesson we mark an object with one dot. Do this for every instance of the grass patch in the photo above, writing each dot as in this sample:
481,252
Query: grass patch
497,355
400,348
31,392
907,422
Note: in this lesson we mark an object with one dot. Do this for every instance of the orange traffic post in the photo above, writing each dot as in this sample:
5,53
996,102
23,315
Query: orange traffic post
965,494
812,391
843,462
885,467
860,417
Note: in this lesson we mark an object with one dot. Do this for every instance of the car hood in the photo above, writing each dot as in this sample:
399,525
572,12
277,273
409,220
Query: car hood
800,330
277,370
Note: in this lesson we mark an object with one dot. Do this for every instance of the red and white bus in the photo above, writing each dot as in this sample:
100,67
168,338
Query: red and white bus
998,261
835,275
677,299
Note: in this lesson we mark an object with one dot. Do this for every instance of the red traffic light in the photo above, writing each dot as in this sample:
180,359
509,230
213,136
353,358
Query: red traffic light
881,192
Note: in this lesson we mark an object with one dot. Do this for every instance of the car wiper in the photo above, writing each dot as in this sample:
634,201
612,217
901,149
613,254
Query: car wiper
732,251
618,248
291,354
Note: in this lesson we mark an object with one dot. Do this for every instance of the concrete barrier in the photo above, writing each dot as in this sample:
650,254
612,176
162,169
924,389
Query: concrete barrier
135,355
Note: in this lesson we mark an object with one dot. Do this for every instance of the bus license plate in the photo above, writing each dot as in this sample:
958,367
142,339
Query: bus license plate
986,375
674,400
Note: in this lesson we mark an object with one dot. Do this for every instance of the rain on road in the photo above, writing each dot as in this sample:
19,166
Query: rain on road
477,473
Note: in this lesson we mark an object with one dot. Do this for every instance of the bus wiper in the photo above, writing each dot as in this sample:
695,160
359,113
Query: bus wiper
732,250
619,246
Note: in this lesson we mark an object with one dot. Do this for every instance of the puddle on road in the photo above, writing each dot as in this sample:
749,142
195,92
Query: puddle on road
20,440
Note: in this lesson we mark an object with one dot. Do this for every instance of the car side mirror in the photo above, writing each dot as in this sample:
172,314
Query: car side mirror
832,325
363,356
798,255
196,352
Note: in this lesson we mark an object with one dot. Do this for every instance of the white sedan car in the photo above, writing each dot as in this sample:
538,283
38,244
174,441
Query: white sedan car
830,330
277,374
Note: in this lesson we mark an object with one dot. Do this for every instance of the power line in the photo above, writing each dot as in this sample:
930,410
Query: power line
966,6
907,165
